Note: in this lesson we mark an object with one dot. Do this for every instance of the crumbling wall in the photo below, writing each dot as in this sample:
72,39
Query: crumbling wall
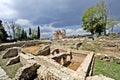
52,70
27,72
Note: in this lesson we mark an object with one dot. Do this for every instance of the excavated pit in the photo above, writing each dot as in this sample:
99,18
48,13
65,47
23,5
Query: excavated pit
77,59
31,49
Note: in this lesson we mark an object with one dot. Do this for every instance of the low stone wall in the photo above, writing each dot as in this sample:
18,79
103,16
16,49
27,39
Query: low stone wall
5,46
62,58
85,67
108,58
21,44
52,70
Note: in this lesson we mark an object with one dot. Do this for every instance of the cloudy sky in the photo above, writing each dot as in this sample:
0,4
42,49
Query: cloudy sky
51,15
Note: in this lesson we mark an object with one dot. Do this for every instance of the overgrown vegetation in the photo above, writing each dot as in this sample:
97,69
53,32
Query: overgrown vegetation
10,70
108,69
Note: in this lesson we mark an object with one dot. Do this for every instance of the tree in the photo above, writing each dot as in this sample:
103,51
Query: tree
94,19
3,33
87,20
38,33
30,31
18,32
7,25
23,35
13,26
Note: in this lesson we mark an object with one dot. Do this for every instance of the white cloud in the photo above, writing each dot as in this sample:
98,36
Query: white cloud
78,31
6,10
23,22
48,29
118,24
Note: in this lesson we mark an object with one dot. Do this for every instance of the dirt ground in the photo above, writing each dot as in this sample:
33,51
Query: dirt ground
73,65
31,49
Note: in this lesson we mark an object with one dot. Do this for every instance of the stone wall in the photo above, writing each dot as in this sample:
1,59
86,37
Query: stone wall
85,67
50,69
21,44
62,58
108,58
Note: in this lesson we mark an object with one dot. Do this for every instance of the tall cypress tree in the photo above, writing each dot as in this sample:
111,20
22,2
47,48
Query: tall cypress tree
30,31
24,35
38,33
3,33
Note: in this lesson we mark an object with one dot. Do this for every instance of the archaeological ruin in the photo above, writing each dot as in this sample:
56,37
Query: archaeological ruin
59,34
40,61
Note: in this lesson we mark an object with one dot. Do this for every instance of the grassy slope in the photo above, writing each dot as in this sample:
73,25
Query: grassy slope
109,69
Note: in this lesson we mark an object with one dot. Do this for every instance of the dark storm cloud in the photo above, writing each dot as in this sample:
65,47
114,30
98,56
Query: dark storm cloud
65,12
113,6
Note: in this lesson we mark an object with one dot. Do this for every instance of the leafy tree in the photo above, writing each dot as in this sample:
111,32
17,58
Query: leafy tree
94,19
38,33
18,32
3,33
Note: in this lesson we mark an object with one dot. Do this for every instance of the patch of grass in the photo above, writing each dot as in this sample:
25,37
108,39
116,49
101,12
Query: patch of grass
10,70
108,69
91,46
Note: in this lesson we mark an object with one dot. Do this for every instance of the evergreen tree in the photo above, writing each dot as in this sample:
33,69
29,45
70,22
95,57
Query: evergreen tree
38,33
23,35
30,31
3,34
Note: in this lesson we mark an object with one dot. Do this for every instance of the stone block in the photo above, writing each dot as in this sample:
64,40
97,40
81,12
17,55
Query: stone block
27,72
44,51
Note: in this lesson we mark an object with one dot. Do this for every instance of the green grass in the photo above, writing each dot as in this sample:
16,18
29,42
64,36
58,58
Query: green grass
108,69
10,70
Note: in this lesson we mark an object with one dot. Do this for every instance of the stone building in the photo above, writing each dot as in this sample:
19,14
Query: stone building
59,34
